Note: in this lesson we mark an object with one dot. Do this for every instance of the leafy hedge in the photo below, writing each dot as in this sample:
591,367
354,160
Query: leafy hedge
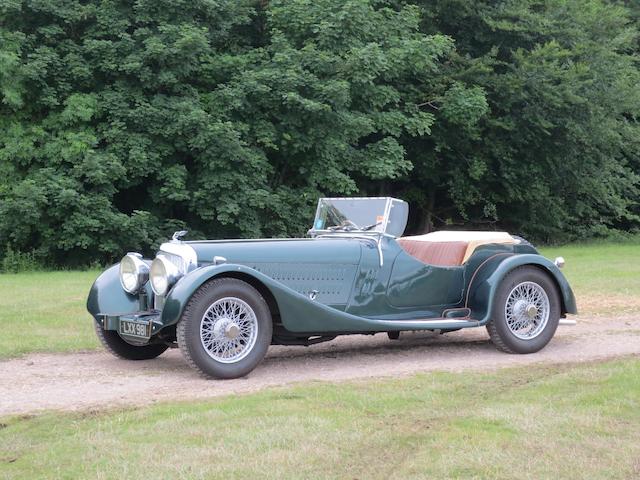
121,122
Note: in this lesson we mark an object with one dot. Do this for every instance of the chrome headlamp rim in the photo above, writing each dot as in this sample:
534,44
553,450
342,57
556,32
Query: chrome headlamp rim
163,274
140,269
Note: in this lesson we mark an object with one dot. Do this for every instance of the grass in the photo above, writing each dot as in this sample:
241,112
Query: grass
605,277
549,422
45,311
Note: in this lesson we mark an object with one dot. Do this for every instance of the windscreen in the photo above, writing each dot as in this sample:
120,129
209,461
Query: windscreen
361,215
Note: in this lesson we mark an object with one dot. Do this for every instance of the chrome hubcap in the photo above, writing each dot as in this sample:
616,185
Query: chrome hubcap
527,310
229,330
232,331
532,311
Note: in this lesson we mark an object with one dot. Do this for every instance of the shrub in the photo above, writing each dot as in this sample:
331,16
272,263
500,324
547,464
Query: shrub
15,261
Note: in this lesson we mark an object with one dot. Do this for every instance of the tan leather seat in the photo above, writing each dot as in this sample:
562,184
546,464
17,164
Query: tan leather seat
443,254
450,248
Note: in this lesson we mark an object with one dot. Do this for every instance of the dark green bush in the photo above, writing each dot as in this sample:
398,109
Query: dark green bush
16,261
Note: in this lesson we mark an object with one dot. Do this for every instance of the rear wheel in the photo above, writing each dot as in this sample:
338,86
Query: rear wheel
225,329
118,347
526,311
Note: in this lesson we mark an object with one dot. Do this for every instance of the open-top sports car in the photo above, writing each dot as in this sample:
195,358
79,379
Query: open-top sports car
224,302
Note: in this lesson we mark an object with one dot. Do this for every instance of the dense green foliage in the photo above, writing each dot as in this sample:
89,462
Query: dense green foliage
558,154
121,122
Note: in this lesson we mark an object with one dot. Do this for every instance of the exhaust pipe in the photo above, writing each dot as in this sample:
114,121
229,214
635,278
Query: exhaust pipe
565,322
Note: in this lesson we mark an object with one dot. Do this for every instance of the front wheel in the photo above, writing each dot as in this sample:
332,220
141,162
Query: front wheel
526,311
225,329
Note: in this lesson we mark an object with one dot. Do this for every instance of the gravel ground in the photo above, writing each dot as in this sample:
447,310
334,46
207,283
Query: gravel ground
94,380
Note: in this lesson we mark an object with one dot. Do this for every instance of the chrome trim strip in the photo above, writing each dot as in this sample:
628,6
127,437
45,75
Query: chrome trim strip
437,321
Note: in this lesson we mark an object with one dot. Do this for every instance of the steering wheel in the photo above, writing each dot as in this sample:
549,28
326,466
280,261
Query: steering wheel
349,223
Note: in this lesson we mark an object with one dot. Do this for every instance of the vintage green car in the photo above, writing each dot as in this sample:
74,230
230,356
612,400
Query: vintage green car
224,302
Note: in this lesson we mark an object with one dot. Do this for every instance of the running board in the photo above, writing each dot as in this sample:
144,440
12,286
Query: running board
439,324
427,324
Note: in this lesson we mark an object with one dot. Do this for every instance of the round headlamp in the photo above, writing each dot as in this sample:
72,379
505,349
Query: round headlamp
134,272
163,275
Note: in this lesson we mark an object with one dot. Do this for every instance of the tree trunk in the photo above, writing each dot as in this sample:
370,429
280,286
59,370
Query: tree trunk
426,224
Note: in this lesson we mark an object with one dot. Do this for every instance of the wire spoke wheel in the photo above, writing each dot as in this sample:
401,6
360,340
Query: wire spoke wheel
228,330
526,310
225,328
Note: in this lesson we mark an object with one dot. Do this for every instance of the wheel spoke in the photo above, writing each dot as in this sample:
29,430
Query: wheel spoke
522,322
228,314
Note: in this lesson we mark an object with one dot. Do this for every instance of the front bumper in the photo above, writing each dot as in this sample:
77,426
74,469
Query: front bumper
150,318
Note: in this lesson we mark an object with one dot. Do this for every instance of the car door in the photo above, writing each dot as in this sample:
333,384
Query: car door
398,285
413,283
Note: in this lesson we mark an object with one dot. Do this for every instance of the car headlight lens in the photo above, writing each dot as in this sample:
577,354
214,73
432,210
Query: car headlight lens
134,272
163,275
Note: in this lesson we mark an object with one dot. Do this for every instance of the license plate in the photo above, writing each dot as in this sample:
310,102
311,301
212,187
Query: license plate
135,329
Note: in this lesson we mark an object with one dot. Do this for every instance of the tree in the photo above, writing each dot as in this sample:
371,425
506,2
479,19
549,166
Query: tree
122,122
555,155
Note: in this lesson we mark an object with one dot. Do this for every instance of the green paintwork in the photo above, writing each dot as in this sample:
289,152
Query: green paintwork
355,293
107,296
326,265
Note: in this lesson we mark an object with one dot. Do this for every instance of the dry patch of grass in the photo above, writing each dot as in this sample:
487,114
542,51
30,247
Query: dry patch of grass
607,304
605,277
549,422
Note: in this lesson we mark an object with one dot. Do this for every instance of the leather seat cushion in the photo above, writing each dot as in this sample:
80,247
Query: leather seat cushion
443,254
442,248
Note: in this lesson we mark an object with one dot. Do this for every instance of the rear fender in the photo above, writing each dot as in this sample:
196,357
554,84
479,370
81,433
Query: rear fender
484,283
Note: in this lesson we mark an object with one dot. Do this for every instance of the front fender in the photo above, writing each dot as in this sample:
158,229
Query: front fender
182,291
108,297
483,287
298,313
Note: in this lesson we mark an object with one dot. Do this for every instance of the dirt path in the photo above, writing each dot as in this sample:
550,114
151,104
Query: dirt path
93,380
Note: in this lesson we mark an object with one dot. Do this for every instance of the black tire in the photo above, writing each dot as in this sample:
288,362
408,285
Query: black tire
118,347
188,331
393,335
499,331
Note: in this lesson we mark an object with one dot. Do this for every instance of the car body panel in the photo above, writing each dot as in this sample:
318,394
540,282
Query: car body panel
326,267
108,297
291,250
412,281
298,313
355,293
403,287
481,291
